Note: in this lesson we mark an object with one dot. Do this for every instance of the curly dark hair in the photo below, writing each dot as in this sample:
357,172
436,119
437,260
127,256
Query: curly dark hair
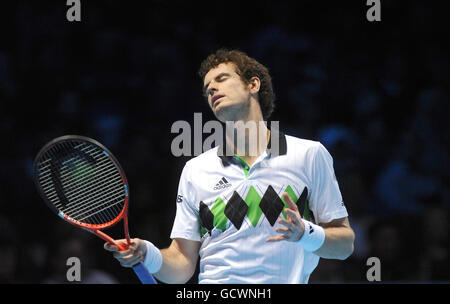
246,68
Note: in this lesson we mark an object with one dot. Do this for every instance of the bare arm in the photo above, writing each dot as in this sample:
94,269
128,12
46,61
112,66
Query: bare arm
339,236
179,261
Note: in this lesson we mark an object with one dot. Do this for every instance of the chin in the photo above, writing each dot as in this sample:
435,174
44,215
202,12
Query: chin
222,115
228,113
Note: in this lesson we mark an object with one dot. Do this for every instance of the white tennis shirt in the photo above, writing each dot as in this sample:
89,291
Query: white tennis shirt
232,209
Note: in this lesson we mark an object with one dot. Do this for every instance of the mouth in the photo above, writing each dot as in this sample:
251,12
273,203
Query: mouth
215,99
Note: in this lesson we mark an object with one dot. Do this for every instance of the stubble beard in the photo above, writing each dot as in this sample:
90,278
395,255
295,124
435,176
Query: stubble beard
234,112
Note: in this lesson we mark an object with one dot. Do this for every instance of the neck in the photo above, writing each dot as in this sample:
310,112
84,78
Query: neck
248,137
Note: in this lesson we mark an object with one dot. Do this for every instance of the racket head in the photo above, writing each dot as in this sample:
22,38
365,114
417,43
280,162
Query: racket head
82,182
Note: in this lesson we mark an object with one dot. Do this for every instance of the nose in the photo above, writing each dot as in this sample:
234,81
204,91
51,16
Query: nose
210,90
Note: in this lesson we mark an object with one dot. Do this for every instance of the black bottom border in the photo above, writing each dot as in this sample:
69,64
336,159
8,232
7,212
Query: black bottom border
230,293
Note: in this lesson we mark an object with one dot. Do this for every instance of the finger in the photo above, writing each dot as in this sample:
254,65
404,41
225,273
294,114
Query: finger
124,254
286,223
277,238
118,244
110,247
128,253
125,261
131,262
289,201
285,230
131,259
123,243
294,216
133,246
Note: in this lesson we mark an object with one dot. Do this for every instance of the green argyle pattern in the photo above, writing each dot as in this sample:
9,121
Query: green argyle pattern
254,211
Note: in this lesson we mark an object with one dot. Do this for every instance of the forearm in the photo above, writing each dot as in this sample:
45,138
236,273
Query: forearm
338,243
176,267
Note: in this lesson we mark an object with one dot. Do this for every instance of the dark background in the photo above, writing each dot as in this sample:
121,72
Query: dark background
376,94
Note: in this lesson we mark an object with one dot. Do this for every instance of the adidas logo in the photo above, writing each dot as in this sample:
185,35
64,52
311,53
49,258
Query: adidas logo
222,184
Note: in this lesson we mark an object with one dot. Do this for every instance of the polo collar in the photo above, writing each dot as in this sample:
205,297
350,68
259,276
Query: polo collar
275,134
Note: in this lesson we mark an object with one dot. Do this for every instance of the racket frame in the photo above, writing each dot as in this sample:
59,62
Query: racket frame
93,228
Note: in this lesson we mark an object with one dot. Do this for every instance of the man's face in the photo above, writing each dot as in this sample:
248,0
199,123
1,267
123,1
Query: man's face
227,95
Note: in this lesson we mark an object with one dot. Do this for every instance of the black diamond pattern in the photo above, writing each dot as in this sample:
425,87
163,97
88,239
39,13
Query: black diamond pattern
301,203
236,209
271,205
206,217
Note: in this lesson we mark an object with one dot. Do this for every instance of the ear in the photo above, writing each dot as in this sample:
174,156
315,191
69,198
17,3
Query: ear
254,85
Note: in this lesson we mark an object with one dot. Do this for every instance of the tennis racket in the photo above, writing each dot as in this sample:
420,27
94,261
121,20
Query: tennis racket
84,184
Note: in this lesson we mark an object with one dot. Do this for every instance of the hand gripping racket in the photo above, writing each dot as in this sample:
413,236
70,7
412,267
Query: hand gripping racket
84,184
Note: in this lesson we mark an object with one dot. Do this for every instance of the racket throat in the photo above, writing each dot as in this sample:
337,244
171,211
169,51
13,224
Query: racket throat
125,228
109,239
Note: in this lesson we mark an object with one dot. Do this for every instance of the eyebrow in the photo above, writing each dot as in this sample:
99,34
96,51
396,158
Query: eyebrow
218,76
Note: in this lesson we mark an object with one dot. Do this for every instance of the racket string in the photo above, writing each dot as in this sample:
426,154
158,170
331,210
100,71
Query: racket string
105,159
91,188
92,204
68,194
94,198
101,214
87,190
50,182
111,215
64,175
94,193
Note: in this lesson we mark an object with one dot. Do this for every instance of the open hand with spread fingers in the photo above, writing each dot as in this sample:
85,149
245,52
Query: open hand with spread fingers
293,225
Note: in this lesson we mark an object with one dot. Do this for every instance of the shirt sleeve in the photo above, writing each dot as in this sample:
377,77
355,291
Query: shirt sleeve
325,199
187,221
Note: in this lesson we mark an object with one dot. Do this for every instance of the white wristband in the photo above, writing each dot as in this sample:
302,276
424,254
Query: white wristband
153,258
313,237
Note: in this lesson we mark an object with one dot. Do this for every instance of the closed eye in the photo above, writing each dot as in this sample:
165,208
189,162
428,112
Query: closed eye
219,78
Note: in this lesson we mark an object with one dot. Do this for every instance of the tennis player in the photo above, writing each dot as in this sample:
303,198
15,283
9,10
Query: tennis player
264,217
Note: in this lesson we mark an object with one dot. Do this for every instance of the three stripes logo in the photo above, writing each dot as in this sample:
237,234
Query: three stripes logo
222,184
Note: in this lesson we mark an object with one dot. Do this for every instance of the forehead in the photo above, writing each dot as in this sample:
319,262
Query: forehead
227,67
